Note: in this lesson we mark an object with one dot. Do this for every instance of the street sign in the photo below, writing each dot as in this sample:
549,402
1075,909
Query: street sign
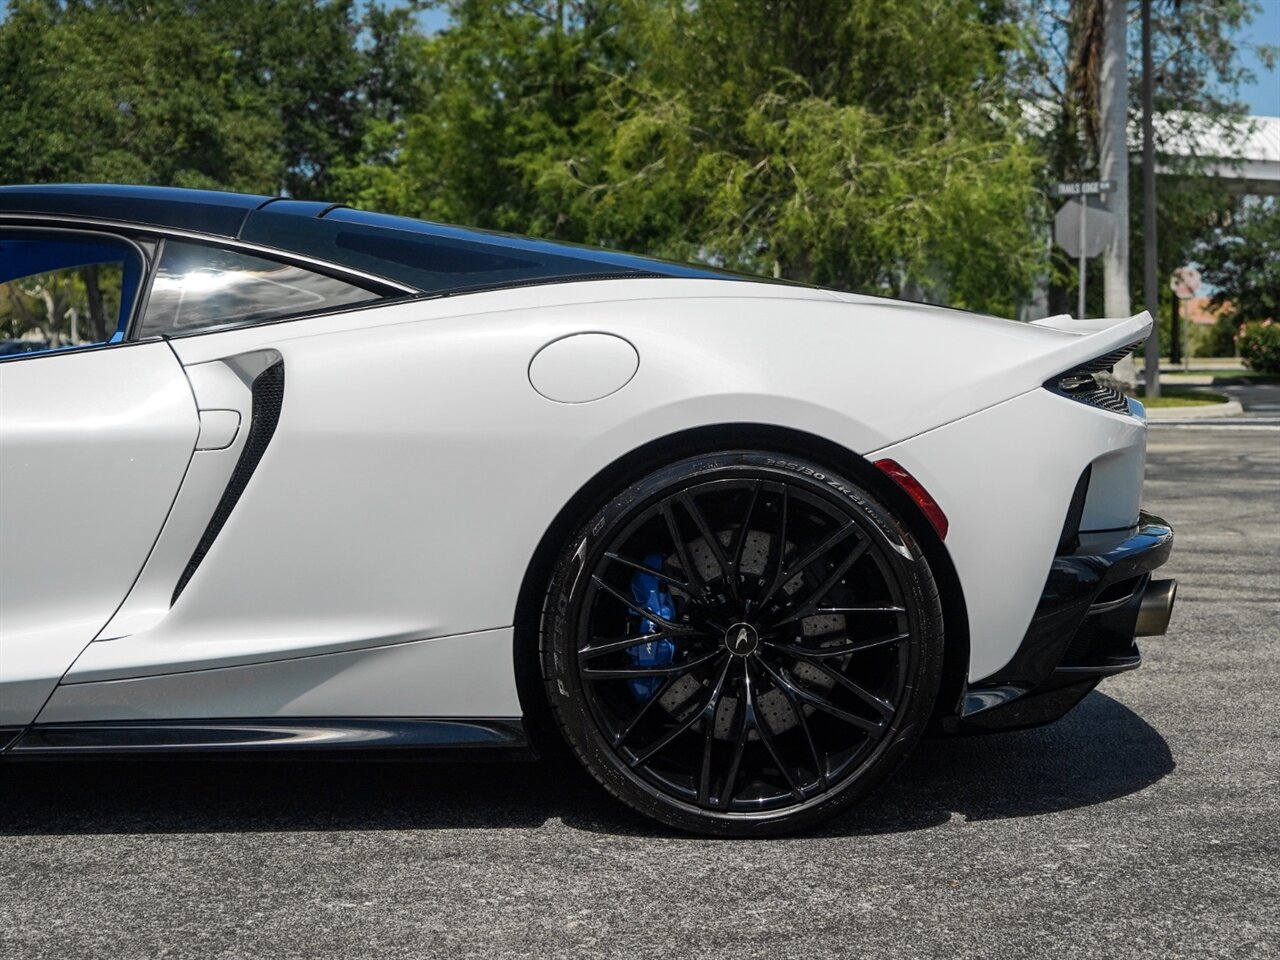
1185,282
1083,227
1083,232
1084,188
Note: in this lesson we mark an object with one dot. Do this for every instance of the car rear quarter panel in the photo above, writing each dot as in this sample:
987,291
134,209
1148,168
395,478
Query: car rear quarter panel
1004,477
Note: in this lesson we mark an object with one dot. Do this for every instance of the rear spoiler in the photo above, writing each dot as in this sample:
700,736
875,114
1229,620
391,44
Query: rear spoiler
1089,339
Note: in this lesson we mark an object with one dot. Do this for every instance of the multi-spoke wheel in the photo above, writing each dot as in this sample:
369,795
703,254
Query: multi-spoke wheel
742,643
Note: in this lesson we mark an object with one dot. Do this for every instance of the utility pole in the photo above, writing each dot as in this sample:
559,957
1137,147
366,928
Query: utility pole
1149,290
1084,261
1113,163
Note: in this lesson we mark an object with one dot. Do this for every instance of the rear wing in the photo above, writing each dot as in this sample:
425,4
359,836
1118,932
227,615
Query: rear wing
1090,340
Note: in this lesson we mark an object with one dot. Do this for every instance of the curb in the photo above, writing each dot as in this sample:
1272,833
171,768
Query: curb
1231,408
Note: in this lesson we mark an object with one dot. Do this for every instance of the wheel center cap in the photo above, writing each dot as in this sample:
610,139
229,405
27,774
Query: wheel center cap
741,639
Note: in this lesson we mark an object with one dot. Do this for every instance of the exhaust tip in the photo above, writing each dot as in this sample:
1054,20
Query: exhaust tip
1156,608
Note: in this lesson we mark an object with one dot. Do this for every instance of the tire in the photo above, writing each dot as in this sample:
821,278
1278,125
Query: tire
785,651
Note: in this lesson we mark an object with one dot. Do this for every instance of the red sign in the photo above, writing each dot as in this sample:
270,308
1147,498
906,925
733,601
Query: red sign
1185,282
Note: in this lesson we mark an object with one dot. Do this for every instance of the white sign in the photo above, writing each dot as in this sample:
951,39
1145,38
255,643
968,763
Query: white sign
1084,188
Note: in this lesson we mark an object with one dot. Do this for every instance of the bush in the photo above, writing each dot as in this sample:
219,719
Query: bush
1218,340
1259,345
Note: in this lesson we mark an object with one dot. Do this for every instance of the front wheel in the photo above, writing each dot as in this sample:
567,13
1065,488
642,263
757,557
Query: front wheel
742,643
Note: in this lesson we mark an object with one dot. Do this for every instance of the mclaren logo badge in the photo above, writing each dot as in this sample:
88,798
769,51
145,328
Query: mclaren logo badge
741,639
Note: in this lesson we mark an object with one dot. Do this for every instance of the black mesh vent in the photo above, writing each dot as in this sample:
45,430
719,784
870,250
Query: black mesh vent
268,397
1108,398
1108,360
1080,384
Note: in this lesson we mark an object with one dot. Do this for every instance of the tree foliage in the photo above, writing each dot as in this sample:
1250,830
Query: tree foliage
1243,261
262,95
837,147
812,140
505,92
888,146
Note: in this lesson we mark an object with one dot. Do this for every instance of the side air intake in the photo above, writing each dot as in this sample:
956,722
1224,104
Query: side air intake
268,397
1081,384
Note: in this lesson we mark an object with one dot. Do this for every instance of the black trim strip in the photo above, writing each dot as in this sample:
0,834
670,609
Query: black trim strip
270,735
268,398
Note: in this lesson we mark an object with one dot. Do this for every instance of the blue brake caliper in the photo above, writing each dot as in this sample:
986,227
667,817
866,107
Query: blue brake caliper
646,590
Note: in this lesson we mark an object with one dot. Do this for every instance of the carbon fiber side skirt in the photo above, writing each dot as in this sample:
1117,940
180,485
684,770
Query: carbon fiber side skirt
435,738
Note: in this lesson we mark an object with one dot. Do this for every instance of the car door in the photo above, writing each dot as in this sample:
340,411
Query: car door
95,436
187,610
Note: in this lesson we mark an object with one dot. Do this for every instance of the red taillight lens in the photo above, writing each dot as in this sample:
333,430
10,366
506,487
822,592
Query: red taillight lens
918,493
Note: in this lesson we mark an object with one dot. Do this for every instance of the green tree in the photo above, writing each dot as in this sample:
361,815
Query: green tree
825,142
301,59
391,90
259,95
817,141
125,92
1243,261
498,97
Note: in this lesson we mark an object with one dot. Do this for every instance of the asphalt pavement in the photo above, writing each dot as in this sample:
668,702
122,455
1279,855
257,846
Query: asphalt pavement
1258,399
1260,405
1145,824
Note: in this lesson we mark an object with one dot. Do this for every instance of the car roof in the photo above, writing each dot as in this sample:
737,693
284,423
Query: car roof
204,211
430,257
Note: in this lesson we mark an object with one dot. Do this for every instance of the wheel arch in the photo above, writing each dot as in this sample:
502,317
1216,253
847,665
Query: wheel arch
629,467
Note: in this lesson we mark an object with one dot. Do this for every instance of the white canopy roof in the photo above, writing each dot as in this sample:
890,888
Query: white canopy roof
1247,152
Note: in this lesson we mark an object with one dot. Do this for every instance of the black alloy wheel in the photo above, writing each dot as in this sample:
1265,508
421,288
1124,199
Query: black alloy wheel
742,643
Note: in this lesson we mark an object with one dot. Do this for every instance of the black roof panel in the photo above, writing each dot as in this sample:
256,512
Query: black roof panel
440,259
430,257
205,211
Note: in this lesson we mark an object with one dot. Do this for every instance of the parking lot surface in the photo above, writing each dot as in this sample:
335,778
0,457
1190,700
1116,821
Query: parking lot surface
1144,824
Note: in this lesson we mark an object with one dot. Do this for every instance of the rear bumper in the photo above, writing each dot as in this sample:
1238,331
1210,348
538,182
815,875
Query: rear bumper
1095,601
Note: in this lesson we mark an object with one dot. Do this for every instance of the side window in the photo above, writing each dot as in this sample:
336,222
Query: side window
63,289
198,287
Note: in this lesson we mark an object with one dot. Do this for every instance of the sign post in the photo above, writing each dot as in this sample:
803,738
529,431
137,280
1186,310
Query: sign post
1084,267
1184,283
1086,243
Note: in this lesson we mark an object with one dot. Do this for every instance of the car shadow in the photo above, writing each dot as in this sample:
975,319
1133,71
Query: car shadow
1099,752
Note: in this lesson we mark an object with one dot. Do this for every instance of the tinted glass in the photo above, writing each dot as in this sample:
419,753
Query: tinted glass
441,259
63,290
198,287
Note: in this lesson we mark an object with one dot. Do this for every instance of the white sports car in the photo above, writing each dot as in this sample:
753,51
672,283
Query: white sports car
287,477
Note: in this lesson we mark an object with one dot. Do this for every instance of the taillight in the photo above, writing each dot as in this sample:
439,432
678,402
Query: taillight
916,491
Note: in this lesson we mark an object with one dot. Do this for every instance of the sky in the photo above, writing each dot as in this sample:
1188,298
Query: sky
1262,96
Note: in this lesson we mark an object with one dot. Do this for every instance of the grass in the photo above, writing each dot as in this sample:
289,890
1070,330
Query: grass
1221,377
1183,399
